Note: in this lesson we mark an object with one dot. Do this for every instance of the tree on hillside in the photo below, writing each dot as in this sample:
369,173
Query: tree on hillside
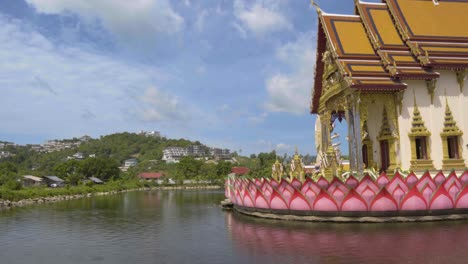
188,168
223,168
8,172
261,166
103,168
71,170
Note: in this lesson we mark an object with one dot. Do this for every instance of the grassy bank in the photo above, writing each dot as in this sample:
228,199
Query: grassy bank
40,192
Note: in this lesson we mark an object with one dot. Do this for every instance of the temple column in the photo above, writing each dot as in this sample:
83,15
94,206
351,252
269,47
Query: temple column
325,131
329,164
357,135
351,141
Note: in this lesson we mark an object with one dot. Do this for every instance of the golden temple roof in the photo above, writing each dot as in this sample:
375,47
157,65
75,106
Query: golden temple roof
423,20
385,43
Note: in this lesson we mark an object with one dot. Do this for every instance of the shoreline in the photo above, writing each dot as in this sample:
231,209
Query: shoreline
7,204
347,219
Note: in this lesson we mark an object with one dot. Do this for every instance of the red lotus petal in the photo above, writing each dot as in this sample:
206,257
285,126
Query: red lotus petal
367,183
296,183
441,200
325,202
452,179
261,201
247,199
427,192
454,190
439,179
413,201
323,183
382,180
411,179
353,202
397,174
258,182
397,181
274,183
351,182
310,194
287,194
426,179
398,194
384,202
308,180
440,173
338,195
277,201
464,178
335,181
368,195
299,202
462,198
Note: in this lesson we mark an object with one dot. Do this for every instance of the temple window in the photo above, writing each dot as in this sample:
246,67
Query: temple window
421,148
419,138
365,158
452,143
451,134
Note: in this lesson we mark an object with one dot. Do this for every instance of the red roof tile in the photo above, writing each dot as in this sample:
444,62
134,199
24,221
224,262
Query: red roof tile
151,175
240,170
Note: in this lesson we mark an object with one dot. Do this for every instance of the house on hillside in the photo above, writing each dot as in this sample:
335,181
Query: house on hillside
53,181
174,154
239,171
96,180
151,175
158,177
29,180
128,163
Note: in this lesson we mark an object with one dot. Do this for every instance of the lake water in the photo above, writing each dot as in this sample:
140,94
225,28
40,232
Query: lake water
189,227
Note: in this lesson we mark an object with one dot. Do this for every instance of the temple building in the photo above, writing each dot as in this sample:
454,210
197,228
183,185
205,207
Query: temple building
395,71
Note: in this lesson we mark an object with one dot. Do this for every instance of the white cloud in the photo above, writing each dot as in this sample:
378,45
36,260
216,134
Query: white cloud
63,90
267,146
290,92
258,119
201,69
160,106
200,21
224,108
127,20
283,148
260,17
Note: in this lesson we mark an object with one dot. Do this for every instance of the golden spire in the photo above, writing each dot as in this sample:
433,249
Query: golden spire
450,125
418,128
414,97
319,11
385,130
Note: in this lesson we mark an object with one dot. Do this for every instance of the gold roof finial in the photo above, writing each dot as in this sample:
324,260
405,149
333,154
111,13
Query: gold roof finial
312,2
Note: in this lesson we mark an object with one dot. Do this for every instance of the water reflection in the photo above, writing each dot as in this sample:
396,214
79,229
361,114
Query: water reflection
189,227
436,242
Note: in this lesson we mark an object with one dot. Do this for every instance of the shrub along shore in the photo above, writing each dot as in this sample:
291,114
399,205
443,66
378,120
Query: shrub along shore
36,195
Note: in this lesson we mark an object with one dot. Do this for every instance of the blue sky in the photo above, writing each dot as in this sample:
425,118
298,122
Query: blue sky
229,73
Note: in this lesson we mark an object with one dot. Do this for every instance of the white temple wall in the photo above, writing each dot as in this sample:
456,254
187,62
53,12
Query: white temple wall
433,115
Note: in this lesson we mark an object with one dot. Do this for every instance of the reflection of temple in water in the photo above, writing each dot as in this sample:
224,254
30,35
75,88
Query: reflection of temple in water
350,243
395,71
